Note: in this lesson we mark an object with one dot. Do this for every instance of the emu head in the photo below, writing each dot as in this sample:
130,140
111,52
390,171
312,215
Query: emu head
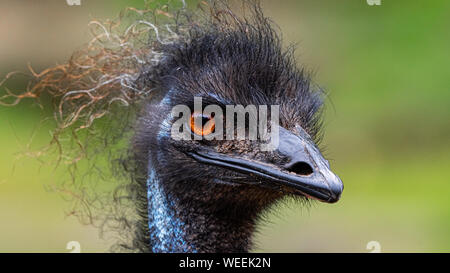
244,66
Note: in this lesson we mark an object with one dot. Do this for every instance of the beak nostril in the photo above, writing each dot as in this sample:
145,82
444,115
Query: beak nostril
301,168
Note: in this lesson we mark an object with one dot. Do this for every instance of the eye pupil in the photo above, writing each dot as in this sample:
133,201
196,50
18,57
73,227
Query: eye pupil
205,120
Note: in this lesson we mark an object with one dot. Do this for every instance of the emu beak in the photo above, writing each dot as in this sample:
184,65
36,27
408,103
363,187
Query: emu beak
307,172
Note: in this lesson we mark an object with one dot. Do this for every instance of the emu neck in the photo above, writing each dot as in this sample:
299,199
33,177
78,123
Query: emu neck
181,224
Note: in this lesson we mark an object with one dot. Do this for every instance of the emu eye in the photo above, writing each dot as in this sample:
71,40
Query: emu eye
207,124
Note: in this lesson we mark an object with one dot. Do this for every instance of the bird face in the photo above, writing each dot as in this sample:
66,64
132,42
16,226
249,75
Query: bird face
294,164
244,66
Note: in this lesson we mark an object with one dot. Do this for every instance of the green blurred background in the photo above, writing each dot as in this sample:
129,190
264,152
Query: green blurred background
387,125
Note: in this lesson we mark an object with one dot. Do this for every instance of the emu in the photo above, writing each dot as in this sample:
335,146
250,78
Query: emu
199,195
206,196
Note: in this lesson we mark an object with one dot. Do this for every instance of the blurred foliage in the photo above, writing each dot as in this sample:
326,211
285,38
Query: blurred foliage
387,135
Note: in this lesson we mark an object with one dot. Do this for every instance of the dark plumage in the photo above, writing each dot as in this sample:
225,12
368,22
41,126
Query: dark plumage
190,195
239,63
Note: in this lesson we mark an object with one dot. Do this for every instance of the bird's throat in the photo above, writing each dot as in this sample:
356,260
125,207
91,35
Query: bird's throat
179,226
166,229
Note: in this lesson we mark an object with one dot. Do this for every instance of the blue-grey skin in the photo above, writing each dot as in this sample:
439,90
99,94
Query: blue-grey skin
167,231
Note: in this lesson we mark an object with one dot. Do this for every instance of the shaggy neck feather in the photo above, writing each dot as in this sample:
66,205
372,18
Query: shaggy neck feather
175,226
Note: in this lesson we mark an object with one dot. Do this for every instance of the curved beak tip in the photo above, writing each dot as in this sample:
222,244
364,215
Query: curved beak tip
336,190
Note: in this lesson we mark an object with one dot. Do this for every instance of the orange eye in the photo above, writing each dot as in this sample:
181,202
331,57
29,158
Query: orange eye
205,126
